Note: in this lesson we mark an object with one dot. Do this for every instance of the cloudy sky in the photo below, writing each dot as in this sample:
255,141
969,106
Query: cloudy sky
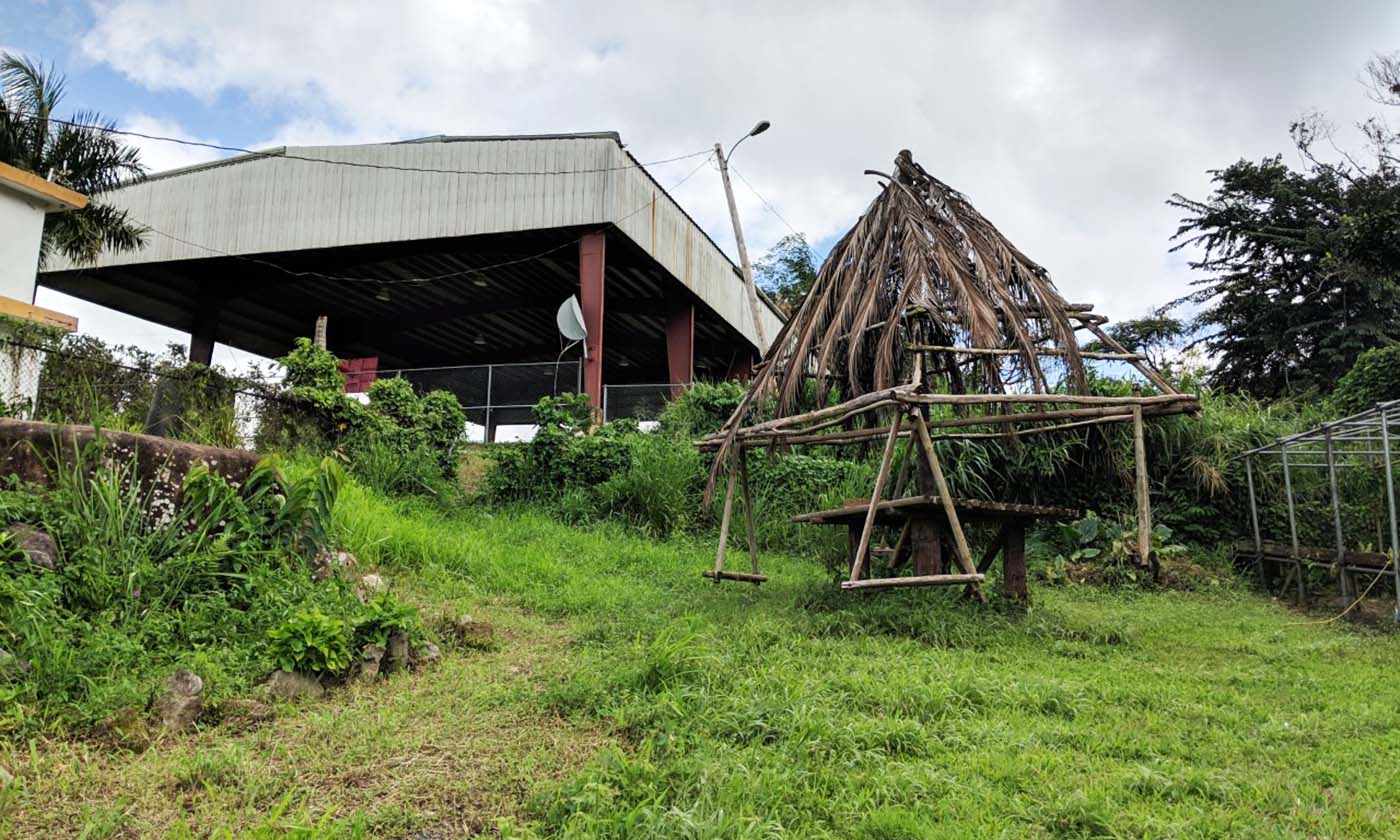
1068,123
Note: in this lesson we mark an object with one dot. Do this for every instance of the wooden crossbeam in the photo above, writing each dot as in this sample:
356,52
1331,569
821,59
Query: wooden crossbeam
743,576
918,580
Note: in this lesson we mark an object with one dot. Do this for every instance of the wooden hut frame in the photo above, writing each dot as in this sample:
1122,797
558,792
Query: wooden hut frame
931,326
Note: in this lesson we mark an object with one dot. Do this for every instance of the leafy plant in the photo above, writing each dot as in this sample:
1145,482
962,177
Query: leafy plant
383,615
311,642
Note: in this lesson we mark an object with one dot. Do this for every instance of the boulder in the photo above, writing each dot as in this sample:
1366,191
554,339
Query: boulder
244,713
290,685
397,656
468,632
371,656
29,449
38,547
427,653
328,564
125,728
373,585
182,701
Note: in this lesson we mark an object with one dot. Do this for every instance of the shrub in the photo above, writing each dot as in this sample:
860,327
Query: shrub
1374,378
382,616
701,409
311,642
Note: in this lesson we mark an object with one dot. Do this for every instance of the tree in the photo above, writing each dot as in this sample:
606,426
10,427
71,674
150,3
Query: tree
84,157
787,271
1305,264
1154,336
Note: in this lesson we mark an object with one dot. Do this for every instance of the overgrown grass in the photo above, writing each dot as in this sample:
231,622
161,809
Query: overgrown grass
795,710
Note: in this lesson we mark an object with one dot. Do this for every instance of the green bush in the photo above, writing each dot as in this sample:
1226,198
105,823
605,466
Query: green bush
1373,379
701,409
137,594
311,642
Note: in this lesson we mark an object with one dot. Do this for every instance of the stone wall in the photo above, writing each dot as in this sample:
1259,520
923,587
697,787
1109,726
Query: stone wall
31,450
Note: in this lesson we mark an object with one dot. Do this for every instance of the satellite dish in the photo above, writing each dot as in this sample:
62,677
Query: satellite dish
570,320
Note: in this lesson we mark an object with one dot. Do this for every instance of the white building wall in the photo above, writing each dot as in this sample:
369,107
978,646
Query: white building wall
21,228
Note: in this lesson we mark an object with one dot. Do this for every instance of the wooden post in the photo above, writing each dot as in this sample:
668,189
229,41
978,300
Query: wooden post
926,545
748,508
864,544
944,495
1013,562
1144,503
724,528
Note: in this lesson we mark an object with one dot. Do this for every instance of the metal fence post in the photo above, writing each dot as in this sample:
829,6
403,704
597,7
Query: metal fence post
1292,520
490,384
1254,521
1390,504
1344,579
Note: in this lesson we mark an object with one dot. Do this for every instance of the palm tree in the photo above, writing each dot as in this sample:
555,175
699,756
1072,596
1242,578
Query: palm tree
79,153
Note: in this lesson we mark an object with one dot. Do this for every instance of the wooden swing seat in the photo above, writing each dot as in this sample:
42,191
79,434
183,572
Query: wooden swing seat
915,580
744,576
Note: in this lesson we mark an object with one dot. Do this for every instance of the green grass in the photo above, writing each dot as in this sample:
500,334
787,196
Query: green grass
649,703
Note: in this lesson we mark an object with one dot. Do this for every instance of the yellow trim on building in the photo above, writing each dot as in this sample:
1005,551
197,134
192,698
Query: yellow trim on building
49,195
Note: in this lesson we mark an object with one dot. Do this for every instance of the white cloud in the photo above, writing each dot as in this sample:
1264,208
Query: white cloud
1067,124
160,155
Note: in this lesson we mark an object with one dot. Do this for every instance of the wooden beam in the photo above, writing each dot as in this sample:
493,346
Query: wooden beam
950,511
917,580
1144,504
870,515
743,576
1039,351
748,509
724,529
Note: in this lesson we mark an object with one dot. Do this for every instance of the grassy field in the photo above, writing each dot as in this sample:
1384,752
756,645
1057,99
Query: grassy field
627,698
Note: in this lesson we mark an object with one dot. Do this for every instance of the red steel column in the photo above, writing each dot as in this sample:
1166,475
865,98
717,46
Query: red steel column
591,262
680,345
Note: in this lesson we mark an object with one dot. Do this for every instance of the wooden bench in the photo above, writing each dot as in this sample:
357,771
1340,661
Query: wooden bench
924,532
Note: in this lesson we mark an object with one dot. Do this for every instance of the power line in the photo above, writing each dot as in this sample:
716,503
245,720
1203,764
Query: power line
284,155
398,281
766,203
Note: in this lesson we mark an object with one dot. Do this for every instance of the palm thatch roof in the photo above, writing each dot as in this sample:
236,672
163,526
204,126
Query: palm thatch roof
923,266
922,294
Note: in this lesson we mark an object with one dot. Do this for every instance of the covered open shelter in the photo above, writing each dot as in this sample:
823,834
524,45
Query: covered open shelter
437,252
926,324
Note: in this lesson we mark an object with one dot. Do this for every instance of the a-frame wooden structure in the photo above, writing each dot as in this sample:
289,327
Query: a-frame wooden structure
930,326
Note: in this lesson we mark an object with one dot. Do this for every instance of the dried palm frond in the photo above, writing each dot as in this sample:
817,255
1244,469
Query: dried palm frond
921,265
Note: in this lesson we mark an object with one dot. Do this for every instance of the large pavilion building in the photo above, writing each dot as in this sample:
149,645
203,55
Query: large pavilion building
441,252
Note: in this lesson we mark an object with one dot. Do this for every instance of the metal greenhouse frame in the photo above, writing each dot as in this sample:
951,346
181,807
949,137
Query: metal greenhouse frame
1365,440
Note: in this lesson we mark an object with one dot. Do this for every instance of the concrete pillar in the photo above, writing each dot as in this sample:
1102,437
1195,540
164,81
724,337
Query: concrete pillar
591,264
206,319
680,344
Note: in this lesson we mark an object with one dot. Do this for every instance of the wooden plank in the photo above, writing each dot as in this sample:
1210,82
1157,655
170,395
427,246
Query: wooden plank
1152,375
934,502
922,580
880,478
741,576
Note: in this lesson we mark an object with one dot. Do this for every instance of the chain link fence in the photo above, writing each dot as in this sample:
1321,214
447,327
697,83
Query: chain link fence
136,391
90,383
639,402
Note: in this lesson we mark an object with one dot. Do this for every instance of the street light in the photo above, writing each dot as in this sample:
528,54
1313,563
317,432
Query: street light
760,127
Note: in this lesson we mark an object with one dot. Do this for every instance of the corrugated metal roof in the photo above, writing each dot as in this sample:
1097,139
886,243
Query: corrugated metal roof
268,202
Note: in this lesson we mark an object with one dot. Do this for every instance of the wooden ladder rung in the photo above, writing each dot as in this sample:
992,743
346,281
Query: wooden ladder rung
917,580
744,576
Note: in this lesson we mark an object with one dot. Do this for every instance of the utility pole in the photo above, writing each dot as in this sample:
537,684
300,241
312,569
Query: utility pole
762,334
